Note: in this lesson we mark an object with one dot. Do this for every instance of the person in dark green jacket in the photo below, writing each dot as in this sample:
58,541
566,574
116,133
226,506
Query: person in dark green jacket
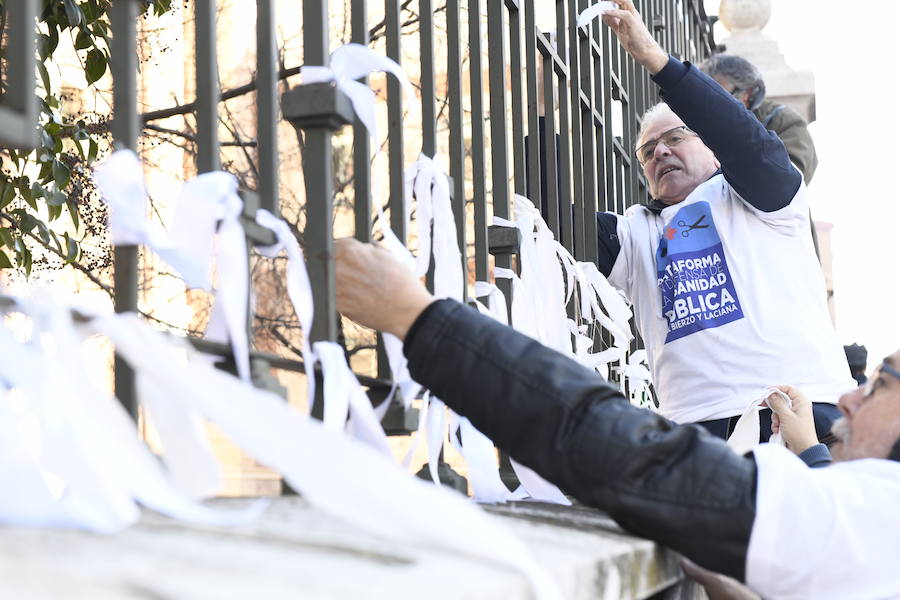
744,81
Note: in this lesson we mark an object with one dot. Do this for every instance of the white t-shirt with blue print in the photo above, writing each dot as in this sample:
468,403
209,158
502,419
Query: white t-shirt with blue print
729,300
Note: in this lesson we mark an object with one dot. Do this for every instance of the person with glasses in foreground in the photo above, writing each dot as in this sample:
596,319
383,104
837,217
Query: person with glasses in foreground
720,266
765,518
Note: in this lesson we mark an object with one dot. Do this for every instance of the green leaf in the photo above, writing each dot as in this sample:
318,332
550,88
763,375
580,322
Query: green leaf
46,139
26,261
83,40
7,238
26,221
71,250
36,190
43,232
25,192
73,13
93,149
73,212
53,213
94,66
53,41
45,77
4,261
91,11
56,198
61,174
7,195
43,44
56,241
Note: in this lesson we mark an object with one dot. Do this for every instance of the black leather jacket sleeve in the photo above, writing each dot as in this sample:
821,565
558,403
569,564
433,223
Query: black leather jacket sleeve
671,483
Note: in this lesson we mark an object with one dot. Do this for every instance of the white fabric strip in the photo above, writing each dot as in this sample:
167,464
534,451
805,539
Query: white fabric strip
594,11
340,477
228,321
349,63
745,435
73,455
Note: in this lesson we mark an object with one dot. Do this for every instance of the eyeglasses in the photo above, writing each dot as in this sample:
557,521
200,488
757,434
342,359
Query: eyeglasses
876,381
670,138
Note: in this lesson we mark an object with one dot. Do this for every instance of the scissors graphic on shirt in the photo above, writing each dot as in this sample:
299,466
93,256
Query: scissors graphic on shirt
690,228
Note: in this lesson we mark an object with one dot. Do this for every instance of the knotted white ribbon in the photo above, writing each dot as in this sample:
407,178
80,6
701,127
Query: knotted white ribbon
745,435
349,63
205,202
335,474
228,321
121,183
638,376
594,11
496,307
346,405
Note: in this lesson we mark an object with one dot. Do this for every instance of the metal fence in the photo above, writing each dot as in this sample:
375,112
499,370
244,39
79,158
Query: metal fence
572,156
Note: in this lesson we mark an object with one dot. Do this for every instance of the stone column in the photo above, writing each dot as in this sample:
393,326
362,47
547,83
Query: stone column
745,20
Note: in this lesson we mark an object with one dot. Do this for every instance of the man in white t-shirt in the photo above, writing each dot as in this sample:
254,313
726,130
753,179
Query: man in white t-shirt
720,267
766,518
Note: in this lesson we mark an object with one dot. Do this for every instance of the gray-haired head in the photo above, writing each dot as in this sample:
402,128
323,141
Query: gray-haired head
656,111
741,73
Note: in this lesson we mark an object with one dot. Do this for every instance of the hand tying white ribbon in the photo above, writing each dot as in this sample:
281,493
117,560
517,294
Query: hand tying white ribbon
746,432
343,395
349,63
594,11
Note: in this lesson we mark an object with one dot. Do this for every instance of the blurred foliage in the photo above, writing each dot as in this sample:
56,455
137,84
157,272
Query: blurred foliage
40,187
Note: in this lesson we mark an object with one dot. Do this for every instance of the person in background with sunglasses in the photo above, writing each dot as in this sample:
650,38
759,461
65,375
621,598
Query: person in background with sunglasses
721,269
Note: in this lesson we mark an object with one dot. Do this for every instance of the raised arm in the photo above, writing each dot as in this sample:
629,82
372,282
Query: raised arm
753,159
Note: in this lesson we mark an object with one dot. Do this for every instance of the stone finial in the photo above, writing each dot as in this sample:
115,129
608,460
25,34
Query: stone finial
745,15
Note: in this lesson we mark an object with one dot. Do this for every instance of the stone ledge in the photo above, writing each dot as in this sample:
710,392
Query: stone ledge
294,551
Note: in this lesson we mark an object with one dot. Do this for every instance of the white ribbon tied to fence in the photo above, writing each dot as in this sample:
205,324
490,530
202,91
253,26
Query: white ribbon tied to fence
346,405
74,457
205,226
349,63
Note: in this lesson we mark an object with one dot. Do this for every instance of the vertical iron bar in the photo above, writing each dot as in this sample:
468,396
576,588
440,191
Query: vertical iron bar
497,99
362,168
533,169
455,109
583,213
566,139
518,112
576,45
318,176
208,93
267,107
395,121
426,54
124,127
550,149
479,194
